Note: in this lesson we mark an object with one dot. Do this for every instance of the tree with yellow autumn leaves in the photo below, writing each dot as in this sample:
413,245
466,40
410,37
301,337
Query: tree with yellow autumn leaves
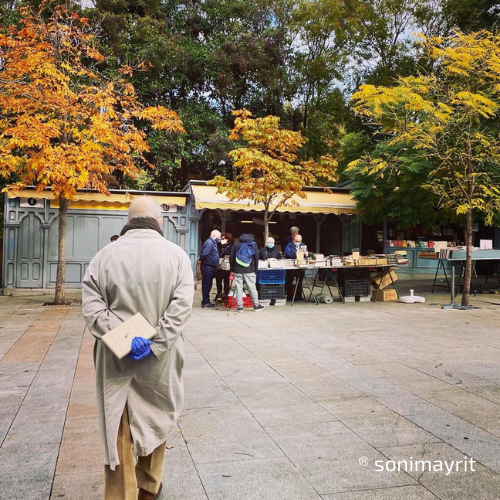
452,117
267,170
63,124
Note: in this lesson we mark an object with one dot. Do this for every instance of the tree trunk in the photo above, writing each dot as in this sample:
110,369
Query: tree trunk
184,172
61,251
468,259
266,226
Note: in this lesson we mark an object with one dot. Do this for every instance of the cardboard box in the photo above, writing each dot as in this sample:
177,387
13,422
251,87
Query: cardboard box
385,295
382,280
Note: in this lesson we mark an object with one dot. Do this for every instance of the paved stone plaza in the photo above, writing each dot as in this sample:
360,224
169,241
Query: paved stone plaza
281,405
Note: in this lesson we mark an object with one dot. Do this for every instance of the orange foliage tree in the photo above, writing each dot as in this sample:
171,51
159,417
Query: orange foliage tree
267,169
63,124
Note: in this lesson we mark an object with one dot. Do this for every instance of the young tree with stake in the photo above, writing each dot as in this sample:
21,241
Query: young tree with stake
267,171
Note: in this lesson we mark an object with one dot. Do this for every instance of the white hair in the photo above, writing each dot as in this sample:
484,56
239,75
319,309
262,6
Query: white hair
215,234
270,239
297,237
294,229
144,207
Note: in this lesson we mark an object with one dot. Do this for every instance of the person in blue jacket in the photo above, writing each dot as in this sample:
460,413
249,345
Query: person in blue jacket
209,258
291,253
293,246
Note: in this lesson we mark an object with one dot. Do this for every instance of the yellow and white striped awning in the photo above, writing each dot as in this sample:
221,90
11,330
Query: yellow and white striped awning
316,202
96,200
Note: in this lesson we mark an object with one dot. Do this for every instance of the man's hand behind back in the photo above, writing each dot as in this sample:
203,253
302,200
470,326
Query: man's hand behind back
140,348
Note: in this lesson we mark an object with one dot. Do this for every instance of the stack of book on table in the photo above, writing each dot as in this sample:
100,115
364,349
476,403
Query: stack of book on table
276,264
335,261
319,260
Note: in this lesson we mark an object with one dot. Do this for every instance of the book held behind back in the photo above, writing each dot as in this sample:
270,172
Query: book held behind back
119,339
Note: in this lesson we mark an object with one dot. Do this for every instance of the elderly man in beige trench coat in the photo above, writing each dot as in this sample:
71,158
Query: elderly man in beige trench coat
140,396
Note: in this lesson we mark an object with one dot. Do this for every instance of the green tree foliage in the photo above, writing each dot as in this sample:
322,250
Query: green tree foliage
383,43
320,34
9,12
204,59
298,60
472,16
391,195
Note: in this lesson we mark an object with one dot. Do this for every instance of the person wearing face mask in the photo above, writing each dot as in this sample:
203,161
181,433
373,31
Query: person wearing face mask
291,253
269,251
293,246
222,276
209,258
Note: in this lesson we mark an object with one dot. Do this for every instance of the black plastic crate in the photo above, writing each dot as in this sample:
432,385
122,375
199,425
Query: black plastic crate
271,276
355,273
271,291
355,288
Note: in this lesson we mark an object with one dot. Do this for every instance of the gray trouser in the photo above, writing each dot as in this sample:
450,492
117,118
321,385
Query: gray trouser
250,281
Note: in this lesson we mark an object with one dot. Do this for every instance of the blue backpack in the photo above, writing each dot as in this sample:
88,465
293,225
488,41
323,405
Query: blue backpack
245,253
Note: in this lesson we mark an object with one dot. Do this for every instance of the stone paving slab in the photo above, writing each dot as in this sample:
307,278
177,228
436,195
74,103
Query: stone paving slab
457,484
280,404
396,493
82,486
295,414
256,479
207,391
15,381
393,429
13,327
225,433
328,454
181,477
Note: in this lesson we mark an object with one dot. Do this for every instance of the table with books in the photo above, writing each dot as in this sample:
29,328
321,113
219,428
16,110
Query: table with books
351,280
457,256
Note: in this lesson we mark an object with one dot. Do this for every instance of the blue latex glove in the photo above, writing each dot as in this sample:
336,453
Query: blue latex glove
140,348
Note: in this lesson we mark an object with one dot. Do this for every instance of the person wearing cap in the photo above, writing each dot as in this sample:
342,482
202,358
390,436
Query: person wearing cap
269,251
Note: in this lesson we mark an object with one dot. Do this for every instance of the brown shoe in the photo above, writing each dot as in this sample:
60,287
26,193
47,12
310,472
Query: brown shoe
146,495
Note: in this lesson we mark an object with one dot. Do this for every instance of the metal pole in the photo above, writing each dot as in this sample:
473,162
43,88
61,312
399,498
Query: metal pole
452,284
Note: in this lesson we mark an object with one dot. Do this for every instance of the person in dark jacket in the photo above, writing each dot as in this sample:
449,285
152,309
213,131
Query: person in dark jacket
222,276
246,273
209,258
293,231
293,246
269,251
291,253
